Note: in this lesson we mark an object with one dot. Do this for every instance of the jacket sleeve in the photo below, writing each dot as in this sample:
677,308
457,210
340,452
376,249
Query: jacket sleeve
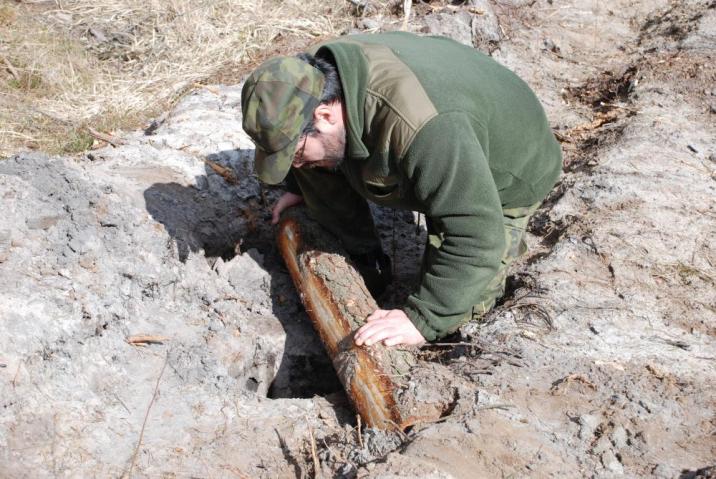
337,207
450,177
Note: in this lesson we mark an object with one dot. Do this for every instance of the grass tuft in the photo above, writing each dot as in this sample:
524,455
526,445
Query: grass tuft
115,63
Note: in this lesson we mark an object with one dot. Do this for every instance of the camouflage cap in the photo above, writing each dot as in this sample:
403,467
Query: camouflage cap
277,102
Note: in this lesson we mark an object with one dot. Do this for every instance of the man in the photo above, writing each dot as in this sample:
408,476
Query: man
417,123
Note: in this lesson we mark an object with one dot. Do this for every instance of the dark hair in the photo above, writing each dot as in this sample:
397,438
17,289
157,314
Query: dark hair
332,90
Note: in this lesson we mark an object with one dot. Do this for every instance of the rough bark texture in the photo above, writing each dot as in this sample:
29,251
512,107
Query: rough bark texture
337,301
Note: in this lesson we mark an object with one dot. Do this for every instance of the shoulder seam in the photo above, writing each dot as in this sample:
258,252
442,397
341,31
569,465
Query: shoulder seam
414,128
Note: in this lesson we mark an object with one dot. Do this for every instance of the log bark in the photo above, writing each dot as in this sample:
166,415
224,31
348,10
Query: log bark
376,378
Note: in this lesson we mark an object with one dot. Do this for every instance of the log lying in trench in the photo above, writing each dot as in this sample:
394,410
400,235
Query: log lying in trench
380,381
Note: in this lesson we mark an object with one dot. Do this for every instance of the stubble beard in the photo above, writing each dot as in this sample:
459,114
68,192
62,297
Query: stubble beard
335,150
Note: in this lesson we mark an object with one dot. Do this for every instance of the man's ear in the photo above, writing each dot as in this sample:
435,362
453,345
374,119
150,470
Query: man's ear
324,112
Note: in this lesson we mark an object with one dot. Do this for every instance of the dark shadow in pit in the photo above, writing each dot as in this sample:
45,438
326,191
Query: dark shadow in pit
220,219
195,217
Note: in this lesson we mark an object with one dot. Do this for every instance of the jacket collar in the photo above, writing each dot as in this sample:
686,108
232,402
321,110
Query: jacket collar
353,71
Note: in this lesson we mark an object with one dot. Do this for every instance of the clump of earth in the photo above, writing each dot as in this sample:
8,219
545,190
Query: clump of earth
149,328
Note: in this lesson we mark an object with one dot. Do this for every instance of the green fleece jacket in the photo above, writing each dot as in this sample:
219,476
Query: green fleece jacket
436,127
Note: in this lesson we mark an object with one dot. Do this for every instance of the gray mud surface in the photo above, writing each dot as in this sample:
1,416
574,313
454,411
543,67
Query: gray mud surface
599,362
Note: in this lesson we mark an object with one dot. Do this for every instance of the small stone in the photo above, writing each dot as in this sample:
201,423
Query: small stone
517,3
369,24
41,222
662,471
88,262
602,445
64,17
588,424
619,437
611,463
550,45
472,426
486,31
456,26
98,34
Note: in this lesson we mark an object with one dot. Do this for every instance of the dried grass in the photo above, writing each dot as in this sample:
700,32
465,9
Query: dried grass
66,64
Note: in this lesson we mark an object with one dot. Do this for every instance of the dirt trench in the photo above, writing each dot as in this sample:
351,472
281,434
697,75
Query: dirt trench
598,362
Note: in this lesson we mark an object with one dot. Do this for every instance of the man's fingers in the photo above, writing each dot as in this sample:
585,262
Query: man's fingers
393,340
276,211
363,333
379,334
285,201
375,332
392,327
366,333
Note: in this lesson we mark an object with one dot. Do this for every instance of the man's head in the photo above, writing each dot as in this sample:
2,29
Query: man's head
292,110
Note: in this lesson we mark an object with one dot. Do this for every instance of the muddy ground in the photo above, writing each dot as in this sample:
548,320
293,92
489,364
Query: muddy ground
600,361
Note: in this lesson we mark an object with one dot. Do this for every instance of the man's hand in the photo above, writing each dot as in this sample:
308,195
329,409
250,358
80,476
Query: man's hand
392,327
287,200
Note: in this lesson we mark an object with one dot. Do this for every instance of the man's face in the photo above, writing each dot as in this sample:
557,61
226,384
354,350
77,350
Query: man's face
326,146
321,149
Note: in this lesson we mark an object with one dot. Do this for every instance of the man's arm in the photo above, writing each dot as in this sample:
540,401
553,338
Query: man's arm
286,201
337,207
450,176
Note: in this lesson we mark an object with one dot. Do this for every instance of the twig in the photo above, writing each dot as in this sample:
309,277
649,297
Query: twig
480,371
122,403
52,117
533,308
222,171
212,89
111,139
483,349
672,342
17,134
13,71
504,407
562,138
146,339
314,455
573,378
146,416
360,432
17,373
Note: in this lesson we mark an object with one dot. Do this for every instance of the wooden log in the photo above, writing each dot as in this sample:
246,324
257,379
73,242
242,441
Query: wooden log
376,378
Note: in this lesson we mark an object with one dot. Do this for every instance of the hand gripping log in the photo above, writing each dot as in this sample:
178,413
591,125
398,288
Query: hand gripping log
338,302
